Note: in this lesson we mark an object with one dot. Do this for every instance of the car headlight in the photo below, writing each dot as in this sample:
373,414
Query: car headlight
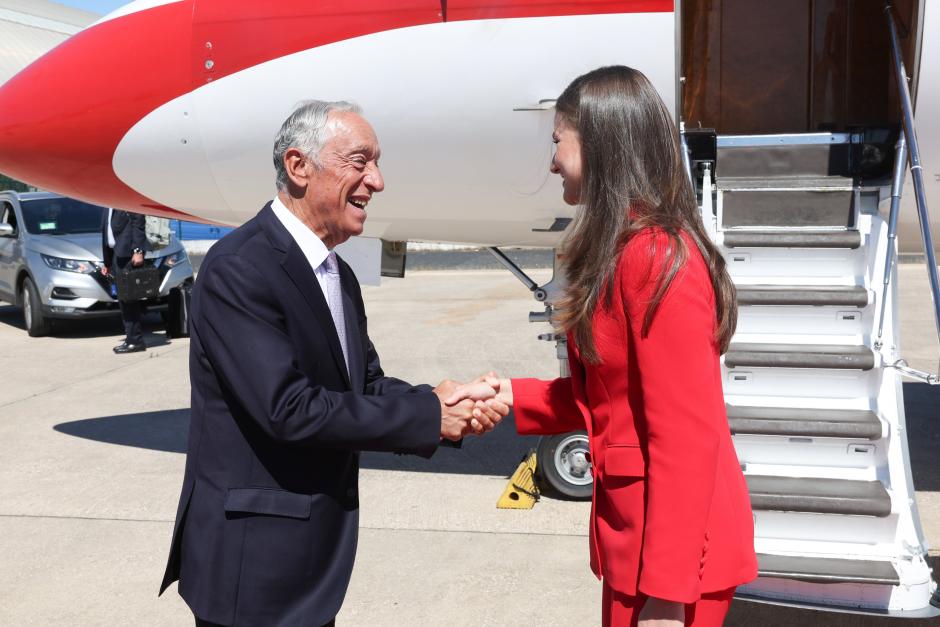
69,265
171,260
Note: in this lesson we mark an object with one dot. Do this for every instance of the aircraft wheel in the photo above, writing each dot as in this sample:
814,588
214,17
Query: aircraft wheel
563,464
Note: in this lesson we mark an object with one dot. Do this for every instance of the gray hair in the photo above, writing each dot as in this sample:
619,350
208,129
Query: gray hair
306,129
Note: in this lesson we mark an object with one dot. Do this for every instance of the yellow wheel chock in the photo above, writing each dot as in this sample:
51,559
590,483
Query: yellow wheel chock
522,492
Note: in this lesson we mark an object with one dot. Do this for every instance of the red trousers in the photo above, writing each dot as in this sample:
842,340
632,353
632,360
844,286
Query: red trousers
622,610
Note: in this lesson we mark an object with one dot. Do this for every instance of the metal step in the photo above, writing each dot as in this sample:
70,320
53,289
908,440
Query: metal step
792,239
804,154
827,570
785,183
782,207
819,496
804,422
800,356
817,295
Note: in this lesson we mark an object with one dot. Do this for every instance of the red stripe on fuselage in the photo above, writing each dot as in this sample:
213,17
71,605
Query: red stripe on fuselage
238,35
460,10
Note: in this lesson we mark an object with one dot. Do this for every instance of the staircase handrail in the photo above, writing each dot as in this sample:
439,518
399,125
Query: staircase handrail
910,136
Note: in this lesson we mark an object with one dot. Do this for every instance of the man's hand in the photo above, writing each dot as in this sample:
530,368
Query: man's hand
661,613
456,417
479,397
490,403
104,270
137,260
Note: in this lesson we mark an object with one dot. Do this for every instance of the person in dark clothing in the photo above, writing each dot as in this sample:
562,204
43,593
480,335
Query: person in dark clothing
123,242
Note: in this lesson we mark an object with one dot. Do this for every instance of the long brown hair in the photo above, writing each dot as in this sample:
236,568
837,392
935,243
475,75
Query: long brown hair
632,177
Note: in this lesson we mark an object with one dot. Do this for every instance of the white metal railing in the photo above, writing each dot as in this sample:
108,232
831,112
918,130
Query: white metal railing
917,175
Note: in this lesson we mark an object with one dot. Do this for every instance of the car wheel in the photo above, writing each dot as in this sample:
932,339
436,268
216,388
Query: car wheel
563,463
36,323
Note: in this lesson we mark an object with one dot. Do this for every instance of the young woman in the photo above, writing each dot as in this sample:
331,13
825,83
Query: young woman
648,309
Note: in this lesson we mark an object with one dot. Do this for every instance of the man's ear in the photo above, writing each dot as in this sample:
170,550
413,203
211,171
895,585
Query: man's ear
295,163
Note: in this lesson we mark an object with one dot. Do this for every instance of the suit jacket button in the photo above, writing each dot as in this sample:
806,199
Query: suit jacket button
351,493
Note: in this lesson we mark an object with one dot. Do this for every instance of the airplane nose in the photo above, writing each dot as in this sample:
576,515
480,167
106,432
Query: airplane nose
62,117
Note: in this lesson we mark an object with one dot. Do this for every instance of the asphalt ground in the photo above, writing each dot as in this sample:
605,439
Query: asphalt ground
93,449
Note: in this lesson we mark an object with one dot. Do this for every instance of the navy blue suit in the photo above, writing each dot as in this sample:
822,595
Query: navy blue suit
129,231
267,523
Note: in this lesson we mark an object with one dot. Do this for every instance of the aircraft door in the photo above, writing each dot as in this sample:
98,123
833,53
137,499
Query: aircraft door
8,253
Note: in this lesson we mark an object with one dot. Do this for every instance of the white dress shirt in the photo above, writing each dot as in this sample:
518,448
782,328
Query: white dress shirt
312,246
111,243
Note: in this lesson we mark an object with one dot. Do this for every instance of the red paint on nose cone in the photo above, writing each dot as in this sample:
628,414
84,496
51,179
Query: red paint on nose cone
63,116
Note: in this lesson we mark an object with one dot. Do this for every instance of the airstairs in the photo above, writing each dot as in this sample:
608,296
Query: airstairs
814,403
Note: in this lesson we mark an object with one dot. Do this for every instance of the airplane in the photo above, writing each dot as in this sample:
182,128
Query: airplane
792,119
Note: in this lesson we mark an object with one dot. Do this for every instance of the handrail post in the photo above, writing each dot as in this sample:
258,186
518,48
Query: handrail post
917,174
897,184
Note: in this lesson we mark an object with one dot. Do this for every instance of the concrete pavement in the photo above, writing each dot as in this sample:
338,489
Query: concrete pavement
92,447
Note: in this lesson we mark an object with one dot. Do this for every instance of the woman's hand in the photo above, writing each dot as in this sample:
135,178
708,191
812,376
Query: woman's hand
661,613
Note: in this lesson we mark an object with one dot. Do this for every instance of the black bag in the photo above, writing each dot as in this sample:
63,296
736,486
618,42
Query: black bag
177,314
137,283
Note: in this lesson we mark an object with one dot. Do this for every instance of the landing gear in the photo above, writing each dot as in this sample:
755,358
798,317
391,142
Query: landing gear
564,464
563,461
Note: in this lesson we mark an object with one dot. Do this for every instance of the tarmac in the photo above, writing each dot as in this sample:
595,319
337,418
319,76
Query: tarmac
93,447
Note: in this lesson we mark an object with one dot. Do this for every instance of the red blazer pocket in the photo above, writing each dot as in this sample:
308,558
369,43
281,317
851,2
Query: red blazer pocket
624,460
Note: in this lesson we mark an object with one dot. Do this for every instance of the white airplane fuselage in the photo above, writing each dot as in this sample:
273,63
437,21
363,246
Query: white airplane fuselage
170,106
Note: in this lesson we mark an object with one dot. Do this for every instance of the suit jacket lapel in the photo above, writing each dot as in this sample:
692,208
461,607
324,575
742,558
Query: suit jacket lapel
302,276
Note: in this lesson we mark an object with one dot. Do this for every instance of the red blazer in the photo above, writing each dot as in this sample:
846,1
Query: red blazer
671,515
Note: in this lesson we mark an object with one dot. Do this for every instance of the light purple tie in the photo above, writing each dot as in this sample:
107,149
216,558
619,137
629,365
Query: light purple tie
334,296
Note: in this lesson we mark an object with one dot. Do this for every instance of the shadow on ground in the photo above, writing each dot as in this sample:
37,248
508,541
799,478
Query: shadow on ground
922,409
496,454
155,430
12,317
154,327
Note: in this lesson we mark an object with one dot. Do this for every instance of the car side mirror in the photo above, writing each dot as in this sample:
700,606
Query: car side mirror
6,230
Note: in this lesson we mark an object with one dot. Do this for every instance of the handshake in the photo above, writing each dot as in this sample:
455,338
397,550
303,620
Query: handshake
475,407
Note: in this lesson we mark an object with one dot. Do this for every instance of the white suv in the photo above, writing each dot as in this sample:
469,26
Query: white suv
51,258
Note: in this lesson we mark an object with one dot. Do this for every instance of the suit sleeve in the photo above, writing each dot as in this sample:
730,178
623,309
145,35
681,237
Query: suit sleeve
138,225
677,362
545,407
242,330
107,253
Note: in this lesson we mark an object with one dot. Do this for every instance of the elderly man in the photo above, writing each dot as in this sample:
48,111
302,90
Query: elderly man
287,388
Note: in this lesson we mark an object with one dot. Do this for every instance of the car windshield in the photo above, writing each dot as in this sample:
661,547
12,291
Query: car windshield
61,216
